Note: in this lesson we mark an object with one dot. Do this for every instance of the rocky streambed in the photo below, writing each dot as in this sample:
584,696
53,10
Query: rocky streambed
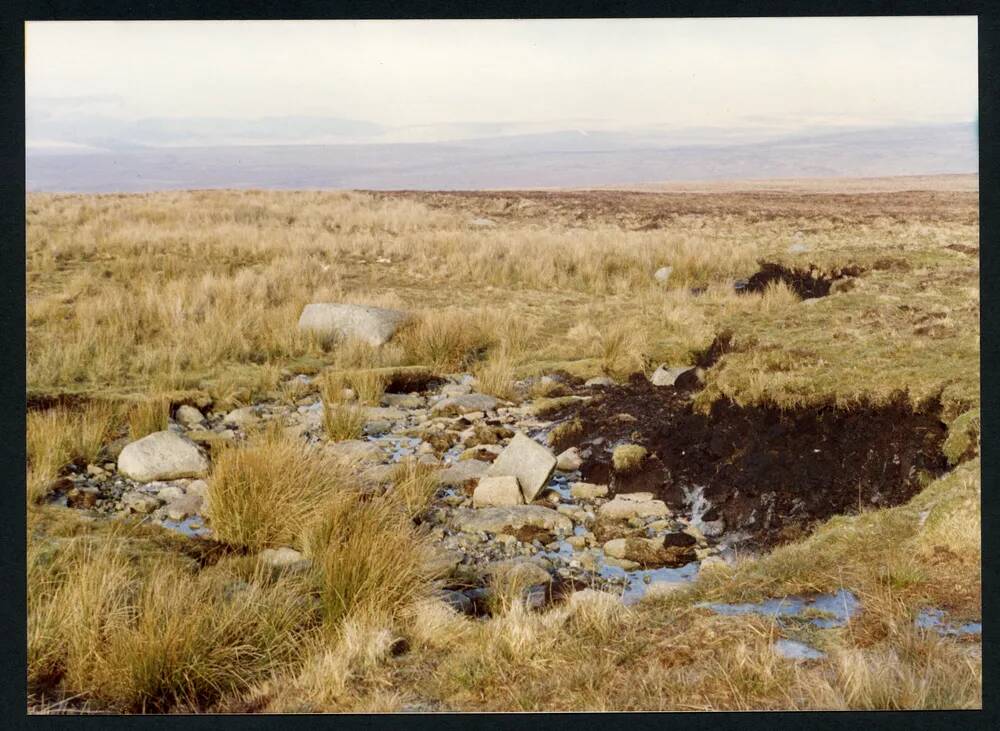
617,487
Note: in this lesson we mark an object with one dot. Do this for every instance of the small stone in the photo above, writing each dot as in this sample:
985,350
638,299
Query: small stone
569,460
599,381
664,376
136,502
662,275
283,558
587,490
242,418
189,416
623,508
171,492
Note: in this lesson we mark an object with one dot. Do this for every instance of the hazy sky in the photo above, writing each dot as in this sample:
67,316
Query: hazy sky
786,73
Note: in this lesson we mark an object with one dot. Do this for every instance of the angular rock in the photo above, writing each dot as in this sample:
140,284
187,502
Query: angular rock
189,416
497,491
170,492
523,571
508,519
162,455
664,376
587,490
373,325
528,461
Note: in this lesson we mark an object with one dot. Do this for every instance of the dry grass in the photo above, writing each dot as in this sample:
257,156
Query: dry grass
55,437
628,457
368,557
563,282
267,492
148,416
135,637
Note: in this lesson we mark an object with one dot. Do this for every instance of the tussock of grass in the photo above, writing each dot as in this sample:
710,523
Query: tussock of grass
413,487
448,340
368,386
155,637
495,376
565,431
547,406
266,492
148,416
368,557
58,436
628,457
342,419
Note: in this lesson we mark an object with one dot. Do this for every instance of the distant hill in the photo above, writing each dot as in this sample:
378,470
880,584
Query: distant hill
559,159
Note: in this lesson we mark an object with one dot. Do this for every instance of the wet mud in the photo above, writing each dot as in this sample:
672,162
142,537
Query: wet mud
768,472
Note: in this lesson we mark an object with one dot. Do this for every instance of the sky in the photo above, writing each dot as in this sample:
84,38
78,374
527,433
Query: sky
431,79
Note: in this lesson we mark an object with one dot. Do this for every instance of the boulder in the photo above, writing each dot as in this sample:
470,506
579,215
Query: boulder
647,552
463,404
569,460
664,376
662,275
373,325
162,455
189,416
521,571
508,519
587,490
497,491
528,461
623,508
283,558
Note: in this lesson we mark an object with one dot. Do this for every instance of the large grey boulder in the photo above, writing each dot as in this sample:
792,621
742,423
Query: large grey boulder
503,519
528,461
162,455
373,325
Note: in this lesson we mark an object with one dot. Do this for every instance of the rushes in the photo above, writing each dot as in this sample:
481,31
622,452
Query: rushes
266,493
628,457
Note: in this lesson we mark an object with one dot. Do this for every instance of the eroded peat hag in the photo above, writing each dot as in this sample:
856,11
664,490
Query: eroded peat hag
766,471
808,283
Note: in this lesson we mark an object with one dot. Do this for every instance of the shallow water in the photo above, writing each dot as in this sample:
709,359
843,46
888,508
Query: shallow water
794,650
193,526
934,619
838,607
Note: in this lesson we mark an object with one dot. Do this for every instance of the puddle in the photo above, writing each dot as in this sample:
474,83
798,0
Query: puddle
934,619
794,650
193,526
836,609
397,447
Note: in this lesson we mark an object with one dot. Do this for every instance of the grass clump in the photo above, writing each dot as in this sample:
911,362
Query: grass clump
57,436
963,437
565,432
628,457
413,487
368,386
342,419
368,558
109,632
495,376
266,492
148,417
